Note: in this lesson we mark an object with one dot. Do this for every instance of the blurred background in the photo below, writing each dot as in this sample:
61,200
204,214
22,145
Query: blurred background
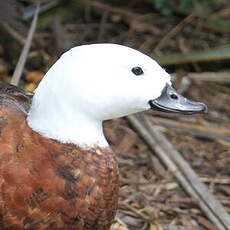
191,40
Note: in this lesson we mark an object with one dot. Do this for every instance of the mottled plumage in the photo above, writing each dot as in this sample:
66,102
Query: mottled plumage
47,185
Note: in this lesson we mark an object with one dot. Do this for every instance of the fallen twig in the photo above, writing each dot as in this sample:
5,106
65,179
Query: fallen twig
58,32
173,32
22,59
102,26
137,212
119,225
169,227
112,9
13,32
133,19
30,12
182,171
197,130
216,180
219,77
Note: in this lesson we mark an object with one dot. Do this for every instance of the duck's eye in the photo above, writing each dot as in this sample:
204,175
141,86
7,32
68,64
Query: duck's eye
137,70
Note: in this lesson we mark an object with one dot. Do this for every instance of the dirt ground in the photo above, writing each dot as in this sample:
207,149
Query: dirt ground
150,196
149,188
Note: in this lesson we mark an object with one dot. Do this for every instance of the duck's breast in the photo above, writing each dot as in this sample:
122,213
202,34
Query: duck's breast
48,185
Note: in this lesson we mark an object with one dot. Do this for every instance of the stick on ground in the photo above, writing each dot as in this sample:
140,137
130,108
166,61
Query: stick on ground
22,59
182,171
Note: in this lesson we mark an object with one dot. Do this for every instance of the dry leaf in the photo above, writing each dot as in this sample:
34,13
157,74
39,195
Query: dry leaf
30,87
34,76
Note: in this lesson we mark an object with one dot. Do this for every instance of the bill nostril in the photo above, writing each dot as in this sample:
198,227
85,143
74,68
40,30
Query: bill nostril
174,96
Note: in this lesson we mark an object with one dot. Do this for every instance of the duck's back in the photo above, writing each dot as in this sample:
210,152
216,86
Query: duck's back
45,185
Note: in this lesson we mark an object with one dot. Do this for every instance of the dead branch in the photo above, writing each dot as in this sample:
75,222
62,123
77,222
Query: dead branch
133,19
173,32
13,32
22,59
168,227
29,12
219,77
197,130
216,180
58,33
102,26
110,9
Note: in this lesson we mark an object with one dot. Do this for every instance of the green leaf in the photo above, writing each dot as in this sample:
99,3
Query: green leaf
219,24
186,5
165,6
217,54
68,13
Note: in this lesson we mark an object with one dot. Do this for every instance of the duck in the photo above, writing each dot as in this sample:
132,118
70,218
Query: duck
57,170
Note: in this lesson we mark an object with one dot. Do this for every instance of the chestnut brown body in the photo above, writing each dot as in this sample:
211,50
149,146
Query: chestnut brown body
47,185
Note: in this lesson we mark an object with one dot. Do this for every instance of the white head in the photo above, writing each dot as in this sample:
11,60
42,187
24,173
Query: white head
89,84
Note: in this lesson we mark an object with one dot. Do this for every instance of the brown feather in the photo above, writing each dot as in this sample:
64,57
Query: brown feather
48,185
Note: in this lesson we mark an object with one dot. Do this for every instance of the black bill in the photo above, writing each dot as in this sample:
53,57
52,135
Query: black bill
171,101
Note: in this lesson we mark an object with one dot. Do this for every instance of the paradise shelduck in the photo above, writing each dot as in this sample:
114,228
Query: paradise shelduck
57,171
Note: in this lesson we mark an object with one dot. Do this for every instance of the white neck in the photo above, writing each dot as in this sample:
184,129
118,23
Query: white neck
75,128
89,84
